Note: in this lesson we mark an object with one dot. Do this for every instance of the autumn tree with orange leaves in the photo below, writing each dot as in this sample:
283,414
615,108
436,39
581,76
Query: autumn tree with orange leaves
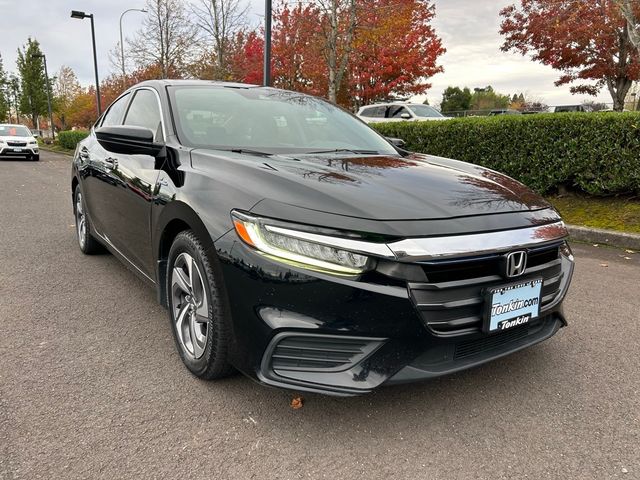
588,41
392,51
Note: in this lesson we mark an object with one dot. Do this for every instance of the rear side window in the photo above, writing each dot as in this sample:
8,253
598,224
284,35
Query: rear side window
116,112
145,112
373,112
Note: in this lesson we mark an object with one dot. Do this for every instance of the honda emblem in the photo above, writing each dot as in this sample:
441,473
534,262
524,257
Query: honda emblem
516,263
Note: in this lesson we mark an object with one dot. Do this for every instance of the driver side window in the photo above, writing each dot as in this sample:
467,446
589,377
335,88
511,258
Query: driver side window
145,112
114,116
396,112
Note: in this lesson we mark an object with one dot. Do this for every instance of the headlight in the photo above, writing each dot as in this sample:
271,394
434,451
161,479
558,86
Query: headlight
285,244
33,142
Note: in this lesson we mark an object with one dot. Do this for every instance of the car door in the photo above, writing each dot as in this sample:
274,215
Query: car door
97,179
133,181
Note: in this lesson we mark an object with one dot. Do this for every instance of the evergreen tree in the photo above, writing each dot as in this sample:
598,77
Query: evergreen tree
4,94
33,100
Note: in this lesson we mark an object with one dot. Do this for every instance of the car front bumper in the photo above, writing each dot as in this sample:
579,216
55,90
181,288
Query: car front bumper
310,331
11,151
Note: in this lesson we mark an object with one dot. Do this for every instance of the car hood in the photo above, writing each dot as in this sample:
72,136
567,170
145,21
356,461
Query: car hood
417,187
16,139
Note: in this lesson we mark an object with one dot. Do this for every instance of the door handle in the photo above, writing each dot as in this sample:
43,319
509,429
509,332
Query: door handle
111,162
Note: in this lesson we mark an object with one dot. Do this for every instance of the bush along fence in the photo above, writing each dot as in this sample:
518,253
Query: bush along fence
70,138
597,153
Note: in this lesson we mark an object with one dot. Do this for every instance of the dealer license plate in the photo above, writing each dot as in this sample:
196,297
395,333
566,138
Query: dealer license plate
511,305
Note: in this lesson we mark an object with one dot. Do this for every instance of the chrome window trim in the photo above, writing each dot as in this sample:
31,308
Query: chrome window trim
430,248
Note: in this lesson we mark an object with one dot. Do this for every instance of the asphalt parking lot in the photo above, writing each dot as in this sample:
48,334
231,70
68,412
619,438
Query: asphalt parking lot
91,385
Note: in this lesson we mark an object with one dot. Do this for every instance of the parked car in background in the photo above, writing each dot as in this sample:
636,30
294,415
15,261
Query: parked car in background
504,111
18,141
399,112
292,242
571,108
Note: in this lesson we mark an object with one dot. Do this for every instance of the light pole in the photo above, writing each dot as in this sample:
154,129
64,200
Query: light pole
266,75
80,16
142,10
46,76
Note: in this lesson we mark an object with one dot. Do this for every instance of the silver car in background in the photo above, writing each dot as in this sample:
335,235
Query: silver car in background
17,140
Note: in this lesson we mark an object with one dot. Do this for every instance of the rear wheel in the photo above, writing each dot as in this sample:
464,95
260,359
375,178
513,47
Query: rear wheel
88,244
198,308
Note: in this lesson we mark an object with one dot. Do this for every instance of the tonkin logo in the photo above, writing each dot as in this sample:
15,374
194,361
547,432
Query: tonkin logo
516,263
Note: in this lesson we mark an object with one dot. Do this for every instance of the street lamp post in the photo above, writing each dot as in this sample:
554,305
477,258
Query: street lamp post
266,76
142,10
46,76
81,15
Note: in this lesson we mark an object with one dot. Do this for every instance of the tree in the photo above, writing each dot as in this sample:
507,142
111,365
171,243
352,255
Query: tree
221,20
395,50
247,57
629,11
5,93
455,99
586,40
33,100
65,89
166,39
488,99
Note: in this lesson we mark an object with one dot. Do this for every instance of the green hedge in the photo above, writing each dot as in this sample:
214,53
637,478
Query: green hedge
70,138
598,153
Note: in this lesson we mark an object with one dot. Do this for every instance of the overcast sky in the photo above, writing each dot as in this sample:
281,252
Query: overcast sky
468,28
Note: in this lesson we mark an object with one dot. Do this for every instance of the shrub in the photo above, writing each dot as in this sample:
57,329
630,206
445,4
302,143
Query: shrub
598,153
70,138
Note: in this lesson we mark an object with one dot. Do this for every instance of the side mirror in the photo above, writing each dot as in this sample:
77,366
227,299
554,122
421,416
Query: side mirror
396,142
129,140
406,116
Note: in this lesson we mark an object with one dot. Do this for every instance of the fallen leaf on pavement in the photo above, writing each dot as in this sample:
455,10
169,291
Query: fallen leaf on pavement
604,264
630,251
596,245
296,403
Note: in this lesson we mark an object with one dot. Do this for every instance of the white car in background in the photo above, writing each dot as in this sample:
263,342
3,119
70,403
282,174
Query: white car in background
18,141
399,112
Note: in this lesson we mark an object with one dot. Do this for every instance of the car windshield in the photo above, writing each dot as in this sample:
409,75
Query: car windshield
425,111
270,121
14,131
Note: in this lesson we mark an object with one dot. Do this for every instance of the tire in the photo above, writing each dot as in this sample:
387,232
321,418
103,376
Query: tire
35,158
198,308
87,243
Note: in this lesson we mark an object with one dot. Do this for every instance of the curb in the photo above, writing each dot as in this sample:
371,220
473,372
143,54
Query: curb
55,151
605,237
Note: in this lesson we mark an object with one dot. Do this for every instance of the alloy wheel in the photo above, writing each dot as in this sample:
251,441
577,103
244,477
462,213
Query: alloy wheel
190,306
81,223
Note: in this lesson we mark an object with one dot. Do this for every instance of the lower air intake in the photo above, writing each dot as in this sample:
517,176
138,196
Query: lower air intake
319,353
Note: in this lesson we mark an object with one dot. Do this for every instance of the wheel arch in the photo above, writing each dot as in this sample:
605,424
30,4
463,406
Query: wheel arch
176,217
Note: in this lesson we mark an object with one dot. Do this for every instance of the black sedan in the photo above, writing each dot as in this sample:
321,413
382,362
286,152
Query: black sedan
290,241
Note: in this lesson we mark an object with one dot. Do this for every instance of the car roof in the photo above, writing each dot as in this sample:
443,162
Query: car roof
189,82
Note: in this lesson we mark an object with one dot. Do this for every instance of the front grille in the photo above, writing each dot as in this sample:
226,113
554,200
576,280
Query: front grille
320,352
473,347
452,299
17,144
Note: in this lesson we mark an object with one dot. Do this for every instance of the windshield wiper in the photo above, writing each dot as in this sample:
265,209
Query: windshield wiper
246,151
348,150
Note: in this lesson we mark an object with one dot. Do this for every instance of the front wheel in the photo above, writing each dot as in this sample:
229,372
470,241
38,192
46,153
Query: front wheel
35,158
198,308
88,244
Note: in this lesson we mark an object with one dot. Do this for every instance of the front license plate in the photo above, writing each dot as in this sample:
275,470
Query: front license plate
512,305
17,149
